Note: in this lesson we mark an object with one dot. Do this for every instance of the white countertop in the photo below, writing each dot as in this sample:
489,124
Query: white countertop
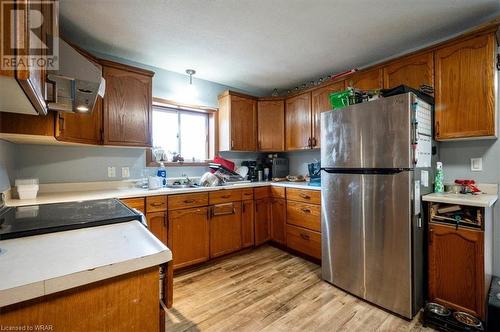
38,265
481,200
86,195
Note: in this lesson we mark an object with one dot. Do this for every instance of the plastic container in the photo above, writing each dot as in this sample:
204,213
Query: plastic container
162,173
340,99
27,188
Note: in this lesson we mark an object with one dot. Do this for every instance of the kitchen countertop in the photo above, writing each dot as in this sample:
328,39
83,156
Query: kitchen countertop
85,195
482,200
31,266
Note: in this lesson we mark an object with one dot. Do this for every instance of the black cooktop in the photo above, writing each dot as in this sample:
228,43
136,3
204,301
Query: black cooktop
48,218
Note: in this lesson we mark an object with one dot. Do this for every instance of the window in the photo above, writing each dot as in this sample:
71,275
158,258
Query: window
181,131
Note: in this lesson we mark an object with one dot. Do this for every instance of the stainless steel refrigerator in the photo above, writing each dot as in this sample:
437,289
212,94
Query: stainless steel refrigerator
376,164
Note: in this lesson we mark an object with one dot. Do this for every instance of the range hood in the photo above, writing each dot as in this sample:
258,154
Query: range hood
77,83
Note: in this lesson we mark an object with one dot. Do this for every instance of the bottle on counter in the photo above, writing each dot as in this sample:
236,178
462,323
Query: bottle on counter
438,180
162,173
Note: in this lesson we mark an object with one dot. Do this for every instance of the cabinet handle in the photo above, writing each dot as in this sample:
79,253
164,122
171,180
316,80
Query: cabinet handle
304,196
188,201
61,123
430,235
243,207
232,144
225,196
314,142
437,128
156,204
306,210
309,142
305,236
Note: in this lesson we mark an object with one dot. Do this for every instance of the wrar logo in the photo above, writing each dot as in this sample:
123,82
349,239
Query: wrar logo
29,35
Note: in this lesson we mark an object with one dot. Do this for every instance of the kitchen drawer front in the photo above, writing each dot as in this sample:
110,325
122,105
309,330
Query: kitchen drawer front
304,195
184,201
224,196
262,192
303,240
278,192
135,203
304,215
246,194
156,203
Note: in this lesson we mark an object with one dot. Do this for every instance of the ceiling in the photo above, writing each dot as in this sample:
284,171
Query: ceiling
259,45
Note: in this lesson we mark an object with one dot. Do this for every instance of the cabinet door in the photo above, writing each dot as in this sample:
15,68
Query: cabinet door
225,229
243,124
366,80
80,127
465,96
412,71
278,220
157,224
127,108
456,268
262,221
298,122
271,125
189,236
247,224
321,103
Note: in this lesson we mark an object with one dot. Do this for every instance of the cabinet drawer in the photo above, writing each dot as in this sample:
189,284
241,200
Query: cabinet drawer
156,203
184,201
224,196
304,195
135,203
304,241
278,192
246,194
304,215
261,192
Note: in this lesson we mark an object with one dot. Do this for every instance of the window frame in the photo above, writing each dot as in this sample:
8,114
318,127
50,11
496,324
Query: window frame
211,145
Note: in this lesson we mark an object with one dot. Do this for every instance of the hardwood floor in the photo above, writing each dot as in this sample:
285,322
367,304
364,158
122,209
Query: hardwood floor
267,289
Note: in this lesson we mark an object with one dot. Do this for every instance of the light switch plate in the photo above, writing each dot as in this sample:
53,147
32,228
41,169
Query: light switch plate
476,164
125,172
111,172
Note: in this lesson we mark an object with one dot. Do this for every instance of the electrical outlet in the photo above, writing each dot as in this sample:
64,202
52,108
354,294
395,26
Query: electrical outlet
111,172
125,172
476,164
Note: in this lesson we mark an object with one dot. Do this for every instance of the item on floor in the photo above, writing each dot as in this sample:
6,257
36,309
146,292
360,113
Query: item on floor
279,167
468,187
162,173
314,170
49,218
494,305
438,180
155,182
209,180
371,184
441,318
27,188
295,178
224,162
402,89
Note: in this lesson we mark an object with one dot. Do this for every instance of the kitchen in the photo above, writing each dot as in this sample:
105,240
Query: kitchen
174,176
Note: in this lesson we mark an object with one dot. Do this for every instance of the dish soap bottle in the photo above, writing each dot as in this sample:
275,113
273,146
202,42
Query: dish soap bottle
438,181
162,173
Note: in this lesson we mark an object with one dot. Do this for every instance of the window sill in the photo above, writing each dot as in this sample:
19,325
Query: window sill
179,164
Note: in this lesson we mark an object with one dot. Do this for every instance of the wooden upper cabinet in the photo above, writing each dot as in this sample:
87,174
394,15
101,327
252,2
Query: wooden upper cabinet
298,122
271,125
321,103
465,88
85,128
370,79
412,71
127,105
237,122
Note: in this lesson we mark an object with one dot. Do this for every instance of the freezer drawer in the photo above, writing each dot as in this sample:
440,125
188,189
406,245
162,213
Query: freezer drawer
376,134
367,237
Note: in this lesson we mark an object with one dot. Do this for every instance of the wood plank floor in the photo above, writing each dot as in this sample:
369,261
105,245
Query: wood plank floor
267,289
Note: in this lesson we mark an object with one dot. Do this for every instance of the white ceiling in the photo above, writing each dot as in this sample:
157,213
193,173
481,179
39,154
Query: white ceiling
258,45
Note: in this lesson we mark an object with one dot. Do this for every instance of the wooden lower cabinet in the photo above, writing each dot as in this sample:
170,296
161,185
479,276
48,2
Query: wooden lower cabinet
456,268
225,229
262,220
278,220
247,223
135,203
189,236
157,224
304,215
303,240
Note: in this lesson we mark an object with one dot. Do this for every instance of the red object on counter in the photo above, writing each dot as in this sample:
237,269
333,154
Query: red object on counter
471,184
224,162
